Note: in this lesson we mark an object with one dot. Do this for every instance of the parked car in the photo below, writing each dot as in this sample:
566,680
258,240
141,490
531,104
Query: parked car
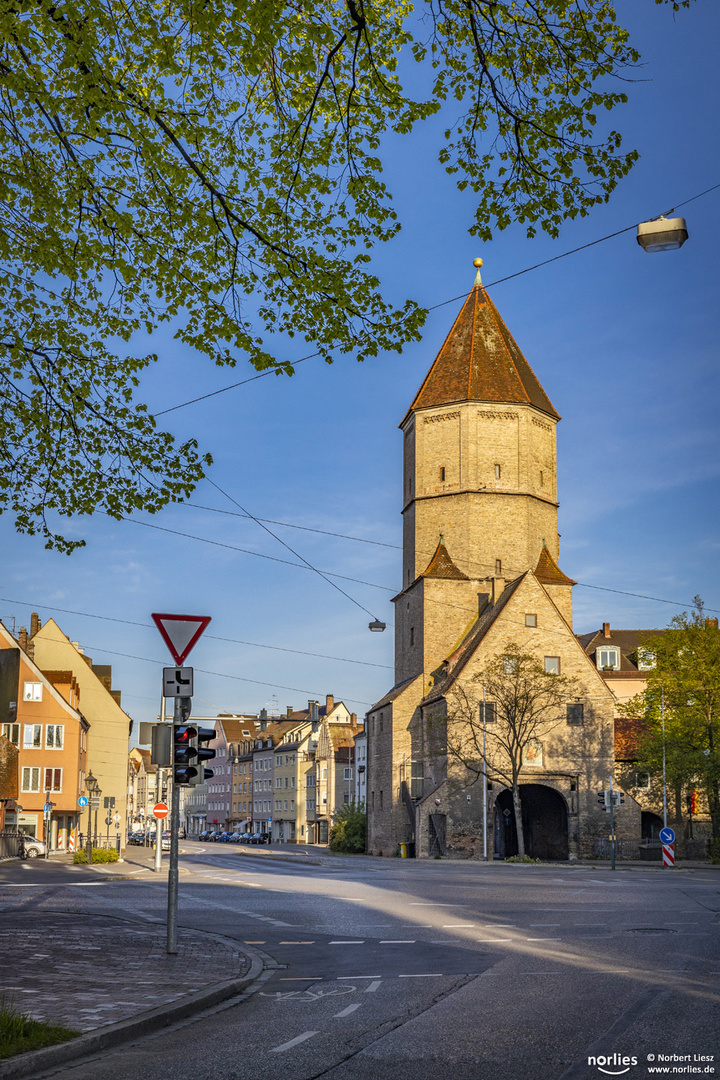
234,838
136,838
165,841
204,835
258,838
34,849
245,837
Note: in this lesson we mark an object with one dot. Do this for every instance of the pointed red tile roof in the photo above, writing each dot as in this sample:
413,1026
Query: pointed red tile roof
442,566
481,361
548,572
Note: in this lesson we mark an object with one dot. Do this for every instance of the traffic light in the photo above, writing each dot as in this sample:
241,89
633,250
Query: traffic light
204,753
693,802
604,799
185,745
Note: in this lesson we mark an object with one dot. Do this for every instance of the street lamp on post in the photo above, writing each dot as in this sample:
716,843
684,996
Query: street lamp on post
93,790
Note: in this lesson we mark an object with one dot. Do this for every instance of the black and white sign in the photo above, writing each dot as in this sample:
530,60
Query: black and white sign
177,682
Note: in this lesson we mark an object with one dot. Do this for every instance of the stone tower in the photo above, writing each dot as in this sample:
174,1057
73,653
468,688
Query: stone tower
479,485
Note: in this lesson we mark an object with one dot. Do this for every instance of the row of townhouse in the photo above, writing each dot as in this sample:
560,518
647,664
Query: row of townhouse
285,776
60,722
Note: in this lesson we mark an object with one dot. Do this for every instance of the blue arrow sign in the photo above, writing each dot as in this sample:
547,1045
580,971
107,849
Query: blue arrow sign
82,800
667,836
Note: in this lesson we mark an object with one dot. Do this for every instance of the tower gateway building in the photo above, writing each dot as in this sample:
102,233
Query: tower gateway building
481,577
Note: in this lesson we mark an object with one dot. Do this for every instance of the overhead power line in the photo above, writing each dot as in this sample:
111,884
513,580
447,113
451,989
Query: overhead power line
433,307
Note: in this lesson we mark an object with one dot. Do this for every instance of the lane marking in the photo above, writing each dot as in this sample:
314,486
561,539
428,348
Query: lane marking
293,1042
493,940
456,925
346,942
346,1012
372,987
443,941
542,939
286,943
397,942
430,975
254,943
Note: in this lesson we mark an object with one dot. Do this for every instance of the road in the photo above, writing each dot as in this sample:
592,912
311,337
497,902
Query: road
405,970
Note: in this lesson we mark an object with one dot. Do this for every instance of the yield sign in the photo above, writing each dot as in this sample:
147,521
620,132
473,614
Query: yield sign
181,633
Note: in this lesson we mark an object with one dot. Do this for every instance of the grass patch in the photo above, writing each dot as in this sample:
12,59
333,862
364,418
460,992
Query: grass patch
19,1033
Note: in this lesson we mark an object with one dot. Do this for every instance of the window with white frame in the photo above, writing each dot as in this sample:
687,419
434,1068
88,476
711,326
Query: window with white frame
32,691
54,736
53,780
347,774
646,659
642,781
30,778
32,736
11,732
552,665
608,659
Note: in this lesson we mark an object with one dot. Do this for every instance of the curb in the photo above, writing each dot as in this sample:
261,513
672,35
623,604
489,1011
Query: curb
112,1035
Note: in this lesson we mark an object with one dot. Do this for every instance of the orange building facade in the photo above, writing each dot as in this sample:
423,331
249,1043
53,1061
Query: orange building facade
40,714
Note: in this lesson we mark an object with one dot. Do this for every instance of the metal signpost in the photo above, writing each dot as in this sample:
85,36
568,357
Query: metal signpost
180,633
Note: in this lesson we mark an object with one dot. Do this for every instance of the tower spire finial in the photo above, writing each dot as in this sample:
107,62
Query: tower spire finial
477,263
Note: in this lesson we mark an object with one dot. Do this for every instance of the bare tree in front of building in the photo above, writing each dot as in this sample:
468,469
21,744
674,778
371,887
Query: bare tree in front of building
523,703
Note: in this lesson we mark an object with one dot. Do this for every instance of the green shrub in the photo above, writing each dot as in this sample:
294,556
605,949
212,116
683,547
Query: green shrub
347,835
99,855
19,1033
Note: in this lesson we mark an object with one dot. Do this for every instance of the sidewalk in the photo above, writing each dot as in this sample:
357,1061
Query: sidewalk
107,976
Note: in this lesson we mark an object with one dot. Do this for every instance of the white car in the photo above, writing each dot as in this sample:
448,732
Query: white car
34,849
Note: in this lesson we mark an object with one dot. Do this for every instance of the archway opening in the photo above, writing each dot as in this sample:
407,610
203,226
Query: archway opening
545,823
650,825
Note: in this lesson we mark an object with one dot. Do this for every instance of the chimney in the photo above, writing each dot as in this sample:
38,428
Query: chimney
23,638
329,704
35,623
498,586
606,629
711,624
353,718
288,711
313,711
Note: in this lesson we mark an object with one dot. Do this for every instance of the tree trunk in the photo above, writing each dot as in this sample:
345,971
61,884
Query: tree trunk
518,819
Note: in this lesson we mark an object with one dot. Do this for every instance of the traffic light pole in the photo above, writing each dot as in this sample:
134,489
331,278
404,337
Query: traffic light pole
612,826
172,908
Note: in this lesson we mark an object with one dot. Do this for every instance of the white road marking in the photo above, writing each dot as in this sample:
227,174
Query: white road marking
398,942
429,903
456,925
293,943
346,942
430,975
350,1009
542,939
493,940
373,987
293,1042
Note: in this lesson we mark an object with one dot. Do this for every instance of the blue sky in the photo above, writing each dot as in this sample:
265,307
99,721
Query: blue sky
624,343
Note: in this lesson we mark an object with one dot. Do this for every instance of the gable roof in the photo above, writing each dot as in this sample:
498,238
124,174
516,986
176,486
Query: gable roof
627,641
457,660
481,361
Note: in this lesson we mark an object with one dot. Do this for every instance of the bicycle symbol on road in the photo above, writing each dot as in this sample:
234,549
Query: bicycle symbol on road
309,995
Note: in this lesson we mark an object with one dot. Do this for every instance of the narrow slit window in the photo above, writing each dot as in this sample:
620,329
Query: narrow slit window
442,472
498,566
498,471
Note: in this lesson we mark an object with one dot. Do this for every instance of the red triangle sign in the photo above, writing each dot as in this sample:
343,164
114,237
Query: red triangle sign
181,633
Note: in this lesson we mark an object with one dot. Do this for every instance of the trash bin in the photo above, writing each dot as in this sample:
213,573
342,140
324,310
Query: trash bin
411,850
403,851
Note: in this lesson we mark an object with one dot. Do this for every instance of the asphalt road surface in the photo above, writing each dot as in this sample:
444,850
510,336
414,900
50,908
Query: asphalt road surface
404,970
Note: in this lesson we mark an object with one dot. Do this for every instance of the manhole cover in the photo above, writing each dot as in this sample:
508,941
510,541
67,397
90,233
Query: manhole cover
651,930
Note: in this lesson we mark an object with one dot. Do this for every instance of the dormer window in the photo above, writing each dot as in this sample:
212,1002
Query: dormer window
608,659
